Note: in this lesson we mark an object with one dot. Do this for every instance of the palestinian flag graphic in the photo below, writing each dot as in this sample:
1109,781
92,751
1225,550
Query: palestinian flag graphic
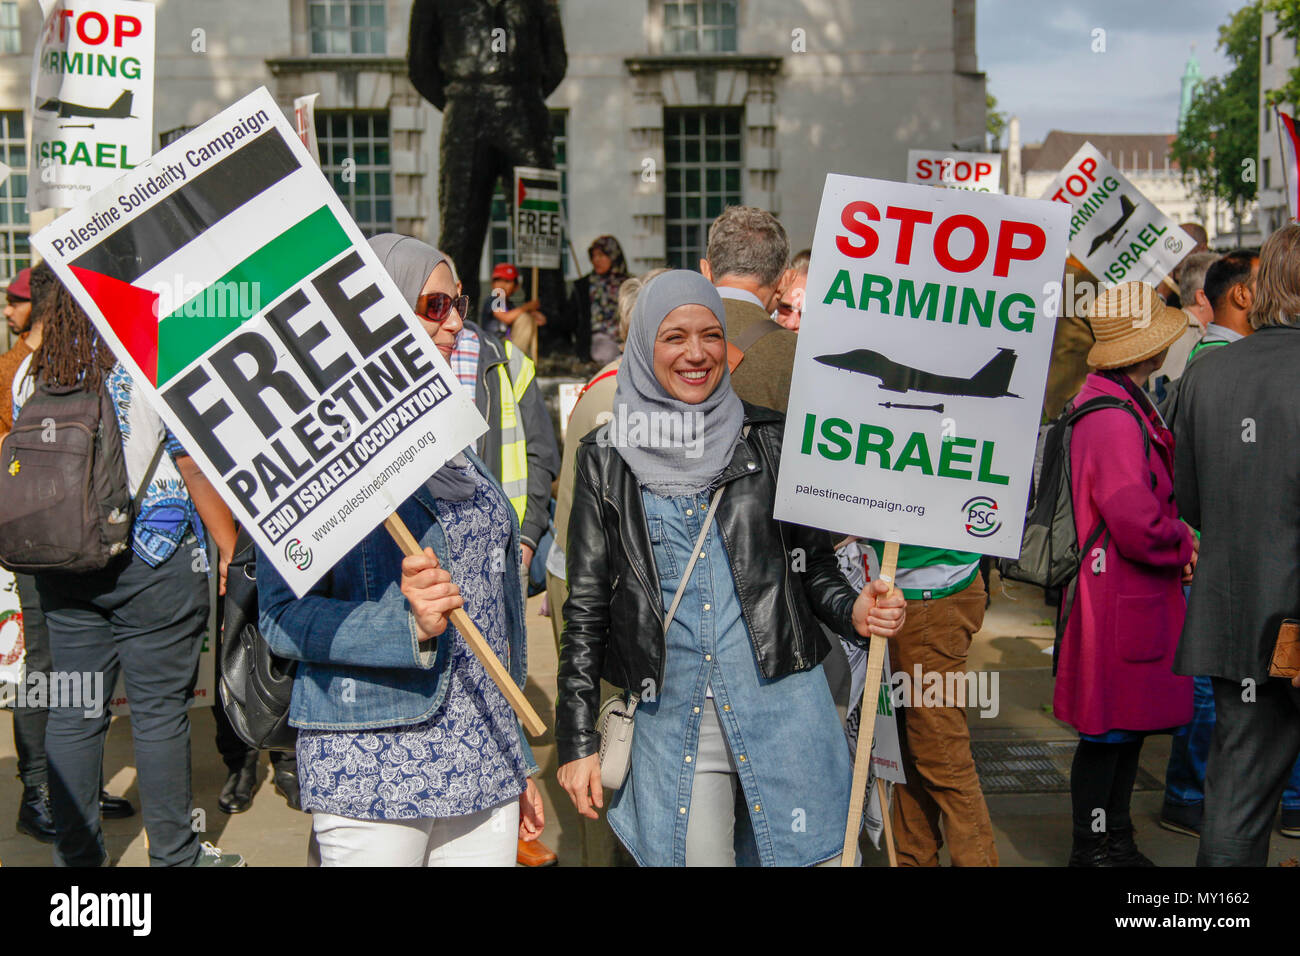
1290,162
154,279
542,195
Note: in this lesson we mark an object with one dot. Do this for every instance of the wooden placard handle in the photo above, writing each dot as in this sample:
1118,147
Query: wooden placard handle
867,724
491,663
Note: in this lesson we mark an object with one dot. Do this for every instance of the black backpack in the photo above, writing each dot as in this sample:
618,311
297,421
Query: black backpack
65,501
1050,554
255,685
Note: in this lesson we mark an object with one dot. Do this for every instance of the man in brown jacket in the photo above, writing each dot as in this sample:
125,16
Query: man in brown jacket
746,260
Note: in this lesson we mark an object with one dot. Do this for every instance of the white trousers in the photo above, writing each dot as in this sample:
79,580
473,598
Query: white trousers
487,838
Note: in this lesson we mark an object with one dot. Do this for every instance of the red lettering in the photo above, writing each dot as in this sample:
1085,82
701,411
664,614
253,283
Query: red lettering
907,220
1088,166
957,170
95,17
942,240
1069,184
983,169
1059,196
849,219
64,17
121,23
1008,250
922,169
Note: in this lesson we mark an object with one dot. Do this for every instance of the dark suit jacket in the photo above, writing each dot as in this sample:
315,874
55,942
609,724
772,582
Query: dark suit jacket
1237,480
763,378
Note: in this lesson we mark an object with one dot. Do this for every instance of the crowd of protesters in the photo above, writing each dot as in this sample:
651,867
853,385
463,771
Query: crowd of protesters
661,586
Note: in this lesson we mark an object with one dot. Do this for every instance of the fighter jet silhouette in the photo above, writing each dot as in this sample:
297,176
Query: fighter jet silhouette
989,382
1128,208
120,109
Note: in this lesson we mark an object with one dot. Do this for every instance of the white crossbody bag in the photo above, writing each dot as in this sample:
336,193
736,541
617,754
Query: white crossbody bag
617,716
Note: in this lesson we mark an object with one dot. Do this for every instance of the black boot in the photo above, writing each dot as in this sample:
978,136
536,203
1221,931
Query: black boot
114,808
1123,851
285,776
237,794
1090,851
35,817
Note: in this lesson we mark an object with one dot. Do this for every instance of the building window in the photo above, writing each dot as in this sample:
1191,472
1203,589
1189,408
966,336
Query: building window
167,137
707,27
702,166
501,243
1268,49
15,253
1268,170
1268,119
355,157
346,26
11,38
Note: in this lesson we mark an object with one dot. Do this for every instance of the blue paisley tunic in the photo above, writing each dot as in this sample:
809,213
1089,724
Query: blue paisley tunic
466,757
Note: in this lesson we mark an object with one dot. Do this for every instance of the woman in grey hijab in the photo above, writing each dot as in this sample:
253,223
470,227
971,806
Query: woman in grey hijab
408,753
672,520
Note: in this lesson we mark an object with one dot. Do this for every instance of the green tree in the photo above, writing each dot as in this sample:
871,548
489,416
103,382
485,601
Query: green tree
1219,139
995,123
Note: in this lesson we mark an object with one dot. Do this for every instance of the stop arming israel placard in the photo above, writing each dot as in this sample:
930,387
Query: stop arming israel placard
92,98
229,278
1117,233
539,221
978,172
921,363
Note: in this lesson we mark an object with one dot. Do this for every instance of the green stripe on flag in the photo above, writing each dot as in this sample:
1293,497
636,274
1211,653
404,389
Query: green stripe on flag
540,204
246,289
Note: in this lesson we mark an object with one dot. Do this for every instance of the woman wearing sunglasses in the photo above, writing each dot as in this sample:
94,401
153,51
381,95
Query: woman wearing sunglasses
408,754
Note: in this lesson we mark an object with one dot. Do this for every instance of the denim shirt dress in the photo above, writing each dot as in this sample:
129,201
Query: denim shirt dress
784,734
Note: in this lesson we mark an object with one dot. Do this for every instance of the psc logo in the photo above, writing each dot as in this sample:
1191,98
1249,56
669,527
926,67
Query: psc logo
982,518
298,553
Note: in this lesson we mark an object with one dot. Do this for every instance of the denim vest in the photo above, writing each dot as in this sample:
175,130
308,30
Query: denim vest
360,662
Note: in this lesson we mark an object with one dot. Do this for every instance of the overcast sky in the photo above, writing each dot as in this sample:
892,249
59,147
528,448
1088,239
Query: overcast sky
1037,55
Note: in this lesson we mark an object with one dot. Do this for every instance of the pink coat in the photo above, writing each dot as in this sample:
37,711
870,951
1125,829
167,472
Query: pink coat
1115,667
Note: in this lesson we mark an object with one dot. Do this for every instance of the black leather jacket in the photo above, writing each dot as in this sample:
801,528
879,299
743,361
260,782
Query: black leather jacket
613,619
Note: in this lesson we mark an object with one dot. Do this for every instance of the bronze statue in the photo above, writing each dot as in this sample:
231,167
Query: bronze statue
488,65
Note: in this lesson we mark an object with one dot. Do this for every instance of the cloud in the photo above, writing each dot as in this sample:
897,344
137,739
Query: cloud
1041,66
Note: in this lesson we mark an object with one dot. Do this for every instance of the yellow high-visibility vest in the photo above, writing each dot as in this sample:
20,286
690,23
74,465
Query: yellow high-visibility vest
514,444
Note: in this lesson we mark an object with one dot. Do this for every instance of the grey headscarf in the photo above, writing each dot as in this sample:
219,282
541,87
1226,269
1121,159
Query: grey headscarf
410,262
672,469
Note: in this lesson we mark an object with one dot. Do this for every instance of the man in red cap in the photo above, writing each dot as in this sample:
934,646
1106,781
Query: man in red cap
518,324
18,313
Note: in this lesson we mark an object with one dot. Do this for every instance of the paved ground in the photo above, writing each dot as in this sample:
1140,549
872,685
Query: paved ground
1032,829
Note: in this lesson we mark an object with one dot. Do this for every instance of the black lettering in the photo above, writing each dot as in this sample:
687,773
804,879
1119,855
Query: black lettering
248,391
272,478
300,344
348,311
202,425
308,432
412,359
244,486
296,468
384,373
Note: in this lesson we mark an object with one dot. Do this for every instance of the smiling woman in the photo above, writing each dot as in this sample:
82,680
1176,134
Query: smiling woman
721,675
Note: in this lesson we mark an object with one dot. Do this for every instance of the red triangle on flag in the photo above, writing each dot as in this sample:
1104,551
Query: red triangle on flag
522,193
132,313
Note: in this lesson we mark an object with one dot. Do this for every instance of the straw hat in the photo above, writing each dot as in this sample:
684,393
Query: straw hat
1131,324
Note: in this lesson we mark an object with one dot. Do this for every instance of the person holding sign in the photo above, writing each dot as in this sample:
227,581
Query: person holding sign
730,695
1114,681
408,753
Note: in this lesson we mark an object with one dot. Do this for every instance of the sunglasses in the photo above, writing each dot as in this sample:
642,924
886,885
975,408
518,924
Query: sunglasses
438,306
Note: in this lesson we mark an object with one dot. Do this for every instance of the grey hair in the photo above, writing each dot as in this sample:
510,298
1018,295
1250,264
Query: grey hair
800,261
1191,277
748,241
627,293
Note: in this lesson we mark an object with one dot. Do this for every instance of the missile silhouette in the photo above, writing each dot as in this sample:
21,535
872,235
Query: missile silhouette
920,408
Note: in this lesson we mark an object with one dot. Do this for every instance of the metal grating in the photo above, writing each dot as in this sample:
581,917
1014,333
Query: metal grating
1033,766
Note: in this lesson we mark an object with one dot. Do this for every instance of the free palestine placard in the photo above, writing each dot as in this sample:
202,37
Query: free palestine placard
231,281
